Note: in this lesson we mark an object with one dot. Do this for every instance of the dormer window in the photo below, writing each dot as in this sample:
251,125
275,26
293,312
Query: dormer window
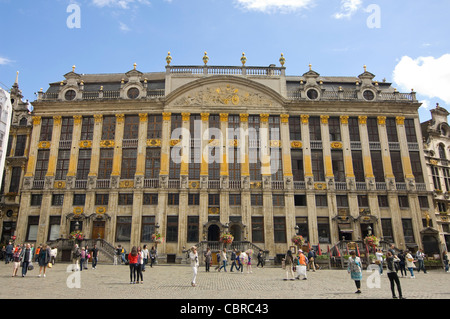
312,94
442,154
368,95
133,93
70,95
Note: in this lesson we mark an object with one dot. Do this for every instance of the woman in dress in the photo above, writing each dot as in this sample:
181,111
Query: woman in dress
43,259
193,255
355,270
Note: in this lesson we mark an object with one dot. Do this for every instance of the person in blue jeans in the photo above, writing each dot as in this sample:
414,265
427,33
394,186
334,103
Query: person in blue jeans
223,256
234,258
26,257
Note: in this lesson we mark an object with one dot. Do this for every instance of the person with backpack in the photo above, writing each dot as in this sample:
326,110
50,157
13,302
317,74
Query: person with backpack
355,270
311,260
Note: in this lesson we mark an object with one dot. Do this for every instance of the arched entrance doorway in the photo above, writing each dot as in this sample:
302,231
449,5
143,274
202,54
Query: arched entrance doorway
213,232
236,231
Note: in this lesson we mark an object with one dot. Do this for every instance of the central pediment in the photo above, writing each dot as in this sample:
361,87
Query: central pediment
224,92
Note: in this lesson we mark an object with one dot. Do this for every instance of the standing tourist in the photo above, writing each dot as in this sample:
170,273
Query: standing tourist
152,256
53,254
223,257
289,264
392,275
421,260
75,256
43,259
445,259
193,255
355,270
26,257
410,264
301,265
145,254
139,266
379,256
132,262
16,261
94,256
218,261
402,263
8,253
86,261
208,259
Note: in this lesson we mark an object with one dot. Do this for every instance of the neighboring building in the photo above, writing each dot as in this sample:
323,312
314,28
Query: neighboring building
339,157
436,138
16,154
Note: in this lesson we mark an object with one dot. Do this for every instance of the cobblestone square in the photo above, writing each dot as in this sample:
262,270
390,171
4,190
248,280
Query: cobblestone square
173,282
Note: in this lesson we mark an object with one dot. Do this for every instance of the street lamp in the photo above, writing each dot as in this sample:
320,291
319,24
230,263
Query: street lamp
369,230
296,229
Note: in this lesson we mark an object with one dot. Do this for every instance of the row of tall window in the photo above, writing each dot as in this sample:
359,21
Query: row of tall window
154,131
148,227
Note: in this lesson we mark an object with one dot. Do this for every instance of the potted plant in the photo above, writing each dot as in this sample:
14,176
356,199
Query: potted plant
226,238
157,238
298,240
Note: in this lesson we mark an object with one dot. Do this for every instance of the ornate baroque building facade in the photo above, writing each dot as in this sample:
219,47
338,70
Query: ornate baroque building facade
436,135
195,151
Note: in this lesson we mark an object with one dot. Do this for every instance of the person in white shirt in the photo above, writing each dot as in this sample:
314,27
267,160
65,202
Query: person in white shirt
144,256
193,255
379,255
53,253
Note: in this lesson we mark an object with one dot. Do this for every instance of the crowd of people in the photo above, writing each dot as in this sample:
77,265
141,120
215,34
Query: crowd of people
296,264
24,255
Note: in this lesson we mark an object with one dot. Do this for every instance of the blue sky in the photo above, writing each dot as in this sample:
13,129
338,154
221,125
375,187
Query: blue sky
408,46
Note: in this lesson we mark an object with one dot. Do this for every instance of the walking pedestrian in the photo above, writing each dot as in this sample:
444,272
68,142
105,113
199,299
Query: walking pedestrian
355,270
208,259
83,256
242,260
260,259
249,261
223,257
94,252
410,264
16,261
43,259
289,264
402,263
445,259
218,260
392,275
420,255
26,257
132,262
139,265
301,265
311,259
38,250
193,255
234,260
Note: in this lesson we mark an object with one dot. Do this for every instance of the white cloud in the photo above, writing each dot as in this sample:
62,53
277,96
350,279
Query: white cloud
268,6
348,8
428,76
4,61
123,27
124,4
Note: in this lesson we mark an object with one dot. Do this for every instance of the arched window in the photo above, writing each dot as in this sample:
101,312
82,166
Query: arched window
442,152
